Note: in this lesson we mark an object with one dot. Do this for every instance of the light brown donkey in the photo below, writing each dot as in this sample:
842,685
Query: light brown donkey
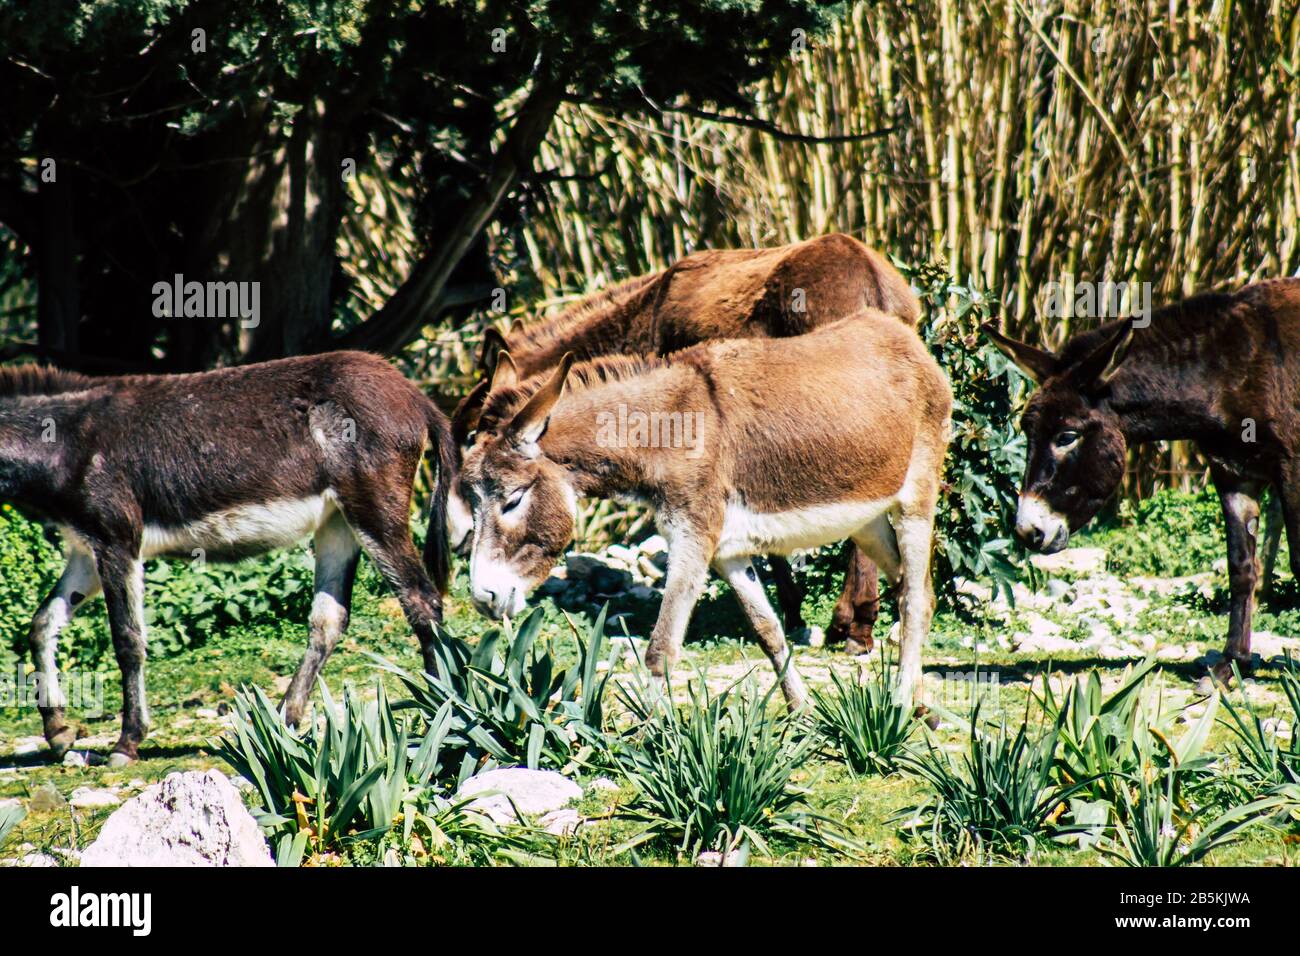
743,447
714,294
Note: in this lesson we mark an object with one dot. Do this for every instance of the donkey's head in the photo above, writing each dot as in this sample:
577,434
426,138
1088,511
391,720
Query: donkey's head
1076,447
520,503
498,371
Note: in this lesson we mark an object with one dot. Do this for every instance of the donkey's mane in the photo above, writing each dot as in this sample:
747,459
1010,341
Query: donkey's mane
1171,325
596,306
18,380
503,403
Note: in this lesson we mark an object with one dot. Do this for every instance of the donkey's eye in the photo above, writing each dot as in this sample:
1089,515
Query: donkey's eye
1066,438
513,501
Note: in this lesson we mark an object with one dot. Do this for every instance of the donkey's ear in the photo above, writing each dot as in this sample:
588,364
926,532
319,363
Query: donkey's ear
1101,364
505,374
1037,363
529,424
516,327
494,343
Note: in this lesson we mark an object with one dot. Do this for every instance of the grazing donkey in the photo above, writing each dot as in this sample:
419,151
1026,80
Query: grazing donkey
1220,370
762,447
221,465
715,294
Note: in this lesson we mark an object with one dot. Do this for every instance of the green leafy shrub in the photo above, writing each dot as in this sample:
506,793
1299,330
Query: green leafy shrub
1170,534
861,721
715,774
354,773
509,699
29,566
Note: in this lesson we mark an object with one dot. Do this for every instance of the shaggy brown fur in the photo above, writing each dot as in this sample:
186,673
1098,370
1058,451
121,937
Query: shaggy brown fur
1222,370
765,476
214,466
775,293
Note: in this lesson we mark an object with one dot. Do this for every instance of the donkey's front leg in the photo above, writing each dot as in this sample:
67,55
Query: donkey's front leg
122,576
76,586
739,573
688,572
1240,500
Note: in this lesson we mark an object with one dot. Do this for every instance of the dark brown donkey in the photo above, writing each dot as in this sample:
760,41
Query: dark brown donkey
217,466
742,447
743,293
1220,370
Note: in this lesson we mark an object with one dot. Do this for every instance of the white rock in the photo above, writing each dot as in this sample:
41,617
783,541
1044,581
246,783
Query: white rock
1056,588
74,758
561,822
533,792
604,785
207,713
25,746
655,544
714,858
88,798
190,819
1072,560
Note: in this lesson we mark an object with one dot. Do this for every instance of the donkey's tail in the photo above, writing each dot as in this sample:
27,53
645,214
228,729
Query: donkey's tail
437,550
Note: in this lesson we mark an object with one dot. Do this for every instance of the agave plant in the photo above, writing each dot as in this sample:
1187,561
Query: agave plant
1000,797
10,817
862,722
715,774
353,773
1263,762
1157,828
1102,738
509,701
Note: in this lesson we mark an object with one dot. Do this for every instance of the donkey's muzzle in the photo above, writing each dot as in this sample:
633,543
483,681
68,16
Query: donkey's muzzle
1039,527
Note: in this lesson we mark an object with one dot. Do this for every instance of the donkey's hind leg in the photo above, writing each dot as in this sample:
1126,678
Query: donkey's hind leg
337,554
122,576
78,583
854,617
739,573
914,528
387,540
788,593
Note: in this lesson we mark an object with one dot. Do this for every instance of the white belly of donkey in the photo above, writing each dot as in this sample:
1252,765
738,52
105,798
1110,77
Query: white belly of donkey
246,529
746,532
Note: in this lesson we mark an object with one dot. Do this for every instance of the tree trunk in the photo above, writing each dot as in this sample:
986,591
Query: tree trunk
420,297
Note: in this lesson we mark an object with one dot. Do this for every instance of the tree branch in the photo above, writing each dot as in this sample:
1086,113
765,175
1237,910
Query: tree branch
421,297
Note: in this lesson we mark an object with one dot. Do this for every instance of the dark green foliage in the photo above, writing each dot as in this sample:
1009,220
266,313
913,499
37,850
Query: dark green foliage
1263,760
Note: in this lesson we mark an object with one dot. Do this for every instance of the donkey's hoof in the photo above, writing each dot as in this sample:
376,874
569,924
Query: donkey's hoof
925,713
61,742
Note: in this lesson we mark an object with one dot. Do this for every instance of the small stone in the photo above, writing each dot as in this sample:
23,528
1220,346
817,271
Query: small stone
207,713
649,570
561,822
603,785
579,566
117,759
622,554
1056,588
1071,560
532,792
26,746
714,858
87,798
46,798
655,544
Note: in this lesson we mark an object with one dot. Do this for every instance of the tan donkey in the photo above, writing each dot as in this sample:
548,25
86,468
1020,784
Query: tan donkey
713,294
743,447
